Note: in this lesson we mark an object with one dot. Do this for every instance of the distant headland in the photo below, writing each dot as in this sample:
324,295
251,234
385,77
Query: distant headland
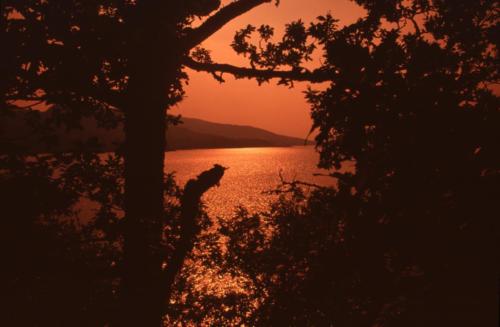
191,133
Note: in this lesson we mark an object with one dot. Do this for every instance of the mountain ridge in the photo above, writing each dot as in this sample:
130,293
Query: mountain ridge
192,133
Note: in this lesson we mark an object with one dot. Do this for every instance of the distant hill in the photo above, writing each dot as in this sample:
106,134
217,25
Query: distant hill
191,134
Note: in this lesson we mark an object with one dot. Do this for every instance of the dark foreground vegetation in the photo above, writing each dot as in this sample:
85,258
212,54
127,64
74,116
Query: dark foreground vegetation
407,239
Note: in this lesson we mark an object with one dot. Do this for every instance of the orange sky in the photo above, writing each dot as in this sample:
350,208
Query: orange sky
243,102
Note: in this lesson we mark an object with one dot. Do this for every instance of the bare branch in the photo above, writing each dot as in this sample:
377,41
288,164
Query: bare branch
195,36
315,76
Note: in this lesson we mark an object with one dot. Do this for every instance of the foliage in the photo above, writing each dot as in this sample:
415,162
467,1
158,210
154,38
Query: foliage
93,58
62,221
407,238
60,270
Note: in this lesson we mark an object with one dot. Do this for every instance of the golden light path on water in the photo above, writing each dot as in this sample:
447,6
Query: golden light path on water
252,172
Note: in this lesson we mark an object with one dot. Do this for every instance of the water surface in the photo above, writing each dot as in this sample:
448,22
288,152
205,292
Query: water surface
252,171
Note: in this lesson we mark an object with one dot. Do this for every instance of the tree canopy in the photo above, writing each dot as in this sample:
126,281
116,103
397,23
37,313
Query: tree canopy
407,236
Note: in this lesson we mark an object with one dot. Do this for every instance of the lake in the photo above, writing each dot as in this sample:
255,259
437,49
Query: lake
252,172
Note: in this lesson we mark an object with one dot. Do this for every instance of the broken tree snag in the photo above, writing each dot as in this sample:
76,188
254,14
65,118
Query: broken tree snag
195,188
190,205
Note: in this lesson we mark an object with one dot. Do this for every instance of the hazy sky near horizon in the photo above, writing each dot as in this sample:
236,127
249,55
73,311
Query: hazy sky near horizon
244,102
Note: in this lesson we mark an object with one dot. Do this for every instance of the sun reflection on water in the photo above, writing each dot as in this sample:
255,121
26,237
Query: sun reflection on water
252,172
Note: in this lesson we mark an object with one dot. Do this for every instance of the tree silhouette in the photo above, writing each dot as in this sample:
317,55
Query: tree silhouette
408,236
421,134
87,58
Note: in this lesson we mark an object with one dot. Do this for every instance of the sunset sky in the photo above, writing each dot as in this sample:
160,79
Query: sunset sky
243,102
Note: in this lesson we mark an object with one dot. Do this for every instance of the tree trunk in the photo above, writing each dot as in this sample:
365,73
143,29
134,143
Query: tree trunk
144,157
153,64
153,73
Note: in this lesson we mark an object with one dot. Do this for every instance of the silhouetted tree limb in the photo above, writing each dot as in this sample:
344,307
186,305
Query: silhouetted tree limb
189,227
315,76
195,36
